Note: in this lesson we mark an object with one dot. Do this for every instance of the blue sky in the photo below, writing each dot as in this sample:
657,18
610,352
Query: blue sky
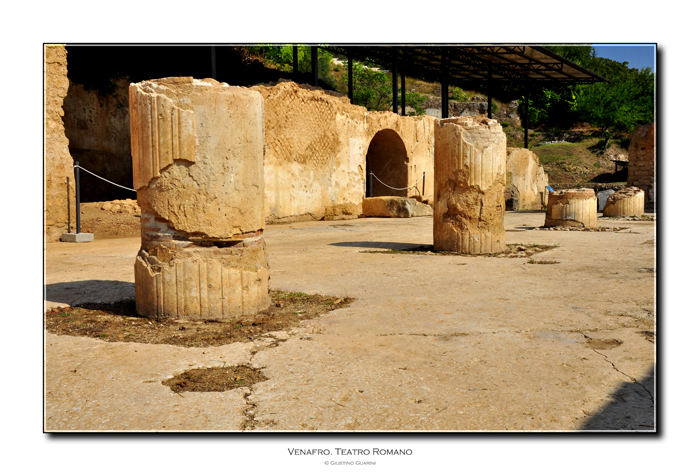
637,55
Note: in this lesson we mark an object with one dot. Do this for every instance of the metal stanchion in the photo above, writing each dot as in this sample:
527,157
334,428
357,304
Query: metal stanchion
76,169
78,236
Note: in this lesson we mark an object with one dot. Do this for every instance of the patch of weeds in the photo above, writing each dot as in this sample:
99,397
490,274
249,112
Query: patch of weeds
582,228
602,344
215,379
296,295
118,322
513,250
542,261
632,218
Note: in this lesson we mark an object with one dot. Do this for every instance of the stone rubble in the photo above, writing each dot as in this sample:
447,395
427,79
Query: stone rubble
396,207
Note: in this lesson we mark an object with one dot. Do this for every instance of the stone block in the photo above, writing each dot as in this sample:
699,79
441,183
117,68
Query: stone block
395,207
470,164
77,237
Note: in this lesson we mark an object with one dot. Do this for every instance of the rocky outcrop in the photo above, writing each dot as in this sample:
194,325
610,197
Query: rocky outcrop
642,161
526,180
197,150
574,207
395,207
470,164
626,202
59,205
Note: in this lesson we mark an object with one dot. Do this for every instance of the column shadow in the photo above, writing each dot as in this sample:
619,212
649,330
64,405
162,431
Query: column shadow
632,408
89,291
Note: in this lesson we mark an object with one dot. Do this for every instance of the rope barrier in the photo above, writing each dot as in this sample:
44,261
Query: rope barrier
415,185
102,178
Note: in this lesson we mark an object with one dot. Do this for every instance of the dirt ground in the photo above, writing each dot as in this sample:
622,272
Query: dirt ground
430,342
118,218
118,322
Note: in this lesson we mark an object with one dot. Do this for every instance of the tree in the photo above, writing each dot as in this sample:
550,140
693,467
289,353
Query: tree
372,89
619,105
281,57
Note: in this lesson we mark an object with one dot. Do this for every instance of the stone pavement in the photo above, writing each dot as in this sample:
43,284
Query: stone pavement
431,343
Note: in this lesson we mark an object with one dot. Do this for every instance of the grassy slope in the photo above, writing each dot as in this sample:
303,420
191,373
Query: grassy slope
571,162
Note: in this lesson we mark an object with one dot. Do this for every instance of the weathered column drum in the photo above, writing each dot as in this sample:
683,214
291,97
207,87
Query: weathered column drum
197,149
628,202
470,164
574,207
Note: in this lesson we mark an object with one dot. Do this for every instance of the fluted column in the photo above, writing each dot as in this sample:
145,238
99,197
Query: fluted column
574,207
197,149
470,163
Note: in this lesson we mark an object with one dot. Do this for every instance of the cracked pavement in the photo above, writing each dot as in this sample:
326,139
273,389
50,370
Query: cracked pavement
431,343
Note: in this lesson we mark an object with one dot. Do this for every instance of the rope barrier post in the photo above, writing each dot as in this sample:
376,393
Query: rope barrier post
78,236
76,167
370,184
423,193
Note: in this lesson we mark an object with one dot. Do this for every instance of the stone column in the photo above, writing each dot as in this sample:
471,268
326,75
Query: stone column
197,149
575,207
625,203
470,164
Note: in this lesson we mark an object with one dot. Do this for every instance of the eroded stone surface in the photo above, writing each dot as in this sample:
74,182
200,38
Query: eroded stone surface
574,207
470,164
197,149
641,168
526,180
626,202
59,208
316,144
398,207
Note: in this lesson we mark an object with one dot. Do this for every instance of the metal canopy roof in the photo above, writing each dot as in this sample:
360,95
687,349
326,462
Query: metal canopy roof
466,65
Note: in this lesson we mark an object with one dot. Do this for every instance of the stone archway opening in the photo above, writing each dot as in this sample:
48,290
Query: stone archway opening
512,198
386,165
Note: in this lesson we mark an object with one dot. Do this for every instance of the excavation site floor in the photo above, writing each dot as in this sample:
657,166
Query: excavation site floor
563,339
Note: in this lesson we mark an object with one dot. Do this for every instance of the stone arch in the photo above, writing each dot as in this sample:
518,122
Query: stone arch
387,158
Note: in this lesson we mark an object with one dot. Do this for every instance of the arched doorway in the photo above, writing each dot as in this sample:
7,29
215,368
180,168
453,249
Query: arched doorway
512,198
386,165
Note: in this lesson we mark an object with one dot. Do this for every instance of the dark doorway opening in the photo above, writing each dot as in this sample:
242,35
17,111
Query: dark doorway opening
386,165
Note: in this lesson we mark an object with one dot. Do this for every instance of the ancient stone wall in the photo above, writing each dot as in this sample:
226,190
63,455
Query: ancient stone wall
97,127
418,136
198,170
59,205
315,148
526,180
642,161
316,144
